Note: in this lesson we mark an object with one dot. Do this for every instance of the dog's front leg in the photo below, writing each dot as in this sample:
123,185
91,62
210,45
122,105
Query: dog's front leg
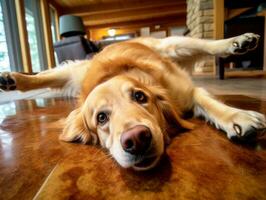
237,123
70,75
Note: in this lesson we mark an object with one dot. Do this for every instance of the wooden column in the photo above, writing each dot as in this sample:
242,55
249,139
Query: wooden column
23,37
47,34
218,19
263,13
218,33
57,14
57,25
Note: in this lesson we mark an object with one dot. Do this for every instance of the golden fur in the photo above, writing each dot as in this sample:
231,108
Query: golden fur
152,67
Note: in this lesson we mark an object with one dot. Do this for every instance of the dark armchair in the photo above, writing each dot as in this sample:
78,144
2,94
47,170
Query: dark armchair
74,48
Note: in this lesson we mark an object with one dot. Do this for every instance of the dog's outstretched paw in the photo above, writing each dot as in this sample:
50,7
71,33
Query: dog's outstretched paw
244,43
246,125
7,81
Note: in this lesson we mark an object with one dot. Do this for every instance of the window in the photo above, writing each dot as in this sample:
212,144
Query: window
10,47
9,38
32,39
35,35
4,58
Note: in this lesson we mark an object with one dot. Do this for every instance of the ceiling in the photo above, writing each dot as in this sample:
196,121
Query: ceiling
242,4
124,13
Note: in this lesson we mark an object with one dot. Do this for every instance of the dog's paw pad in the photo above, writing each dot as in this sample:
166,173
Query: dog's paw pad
246,125
7,81
249,134
238,129
245,43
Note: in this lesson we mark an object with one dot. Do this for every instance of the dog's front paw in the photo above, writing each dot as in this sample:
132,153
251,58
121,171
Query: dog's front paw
7,81
244,43
245,125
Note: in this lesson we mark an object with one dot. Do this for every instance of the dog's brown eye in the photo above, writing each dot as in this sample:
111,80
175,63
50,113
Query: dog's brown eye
102,118
140,97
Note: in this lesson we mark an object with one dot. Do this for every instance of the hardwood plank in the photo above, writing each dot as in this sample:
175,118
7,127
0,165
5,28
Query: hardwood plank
199,164
29,145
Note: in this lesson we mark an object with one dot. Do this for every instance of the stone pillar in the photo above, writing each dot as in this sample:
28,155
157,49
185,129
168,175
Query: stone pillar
200,19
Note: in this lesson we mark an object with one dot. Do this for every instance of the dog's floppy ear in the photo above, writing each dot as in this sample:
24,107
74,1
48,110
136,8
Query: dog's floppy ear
75,129
170,111
172,116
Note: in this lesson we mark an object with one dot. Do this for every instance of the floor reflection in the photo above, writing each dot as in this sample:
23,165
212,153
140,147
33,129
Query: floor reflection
7,109
6,140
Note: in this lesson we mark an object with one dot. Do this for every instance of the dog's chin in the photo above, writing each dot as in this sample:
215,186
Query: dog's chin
146,163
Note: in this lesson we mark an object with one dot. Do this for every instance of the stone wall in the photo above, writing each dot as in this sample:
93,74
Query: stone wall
200,23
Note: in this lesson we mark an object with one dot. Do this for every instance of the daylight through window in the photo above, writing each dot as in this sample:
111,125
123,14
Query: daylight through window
4,58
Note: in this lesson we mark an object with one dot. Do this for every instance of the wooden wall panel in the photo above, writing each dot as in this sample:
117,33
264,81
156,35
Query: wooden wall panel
127,16
97,32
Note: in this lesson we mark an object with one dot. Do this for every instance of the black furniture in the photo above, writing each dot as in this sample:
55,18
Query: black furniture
74,48
252,60
73,45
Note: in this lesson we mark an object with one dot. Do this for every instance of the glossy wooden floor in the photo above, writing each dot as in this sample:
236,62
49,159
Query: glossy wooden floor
201,164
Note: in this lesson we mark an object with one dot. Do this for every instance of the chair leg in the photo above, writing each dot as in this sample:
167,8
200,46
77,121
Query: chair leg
220,68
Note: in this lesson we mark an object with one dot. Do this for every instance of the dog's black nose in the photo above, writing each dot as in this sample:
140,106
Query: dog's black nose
136,140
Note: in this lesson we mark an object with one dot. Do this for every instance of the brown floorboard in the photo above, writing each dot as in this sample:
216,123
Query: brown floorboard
200,164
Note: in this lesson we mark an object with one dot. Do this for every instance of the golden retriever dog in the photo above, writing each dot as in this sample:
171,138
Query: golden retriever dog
133,95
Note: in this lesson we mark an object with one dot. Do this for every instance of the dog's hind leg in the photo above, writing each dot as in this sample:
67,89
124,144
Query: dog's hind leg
181,48
72,73
186,51
237,123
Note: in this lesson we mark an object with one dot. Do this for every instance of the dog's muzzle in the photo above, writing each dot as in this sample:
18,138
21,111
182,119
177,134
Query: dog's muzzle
137,141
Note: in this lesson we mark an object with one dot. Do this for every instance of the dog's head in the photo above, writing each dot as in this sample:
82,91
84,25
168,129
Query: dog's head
129,119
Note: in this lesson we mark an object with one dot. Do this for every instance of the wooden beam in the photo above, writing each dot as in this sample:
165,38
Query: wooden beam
174,20
125,16
57,6
218,19
114,7
47,34
231,13
23,37
135,11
